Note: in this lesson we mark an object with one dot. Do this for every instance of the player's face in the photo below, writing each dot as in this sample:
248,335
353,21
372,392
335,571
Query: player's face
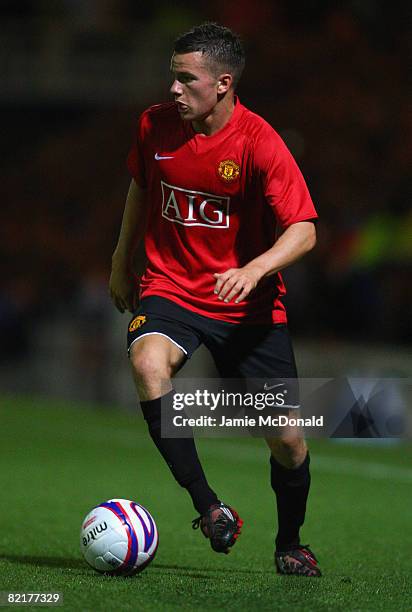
195,88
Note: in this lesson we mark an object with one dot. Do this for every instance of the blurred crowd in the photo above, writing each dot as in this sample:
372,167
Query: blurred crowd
331,78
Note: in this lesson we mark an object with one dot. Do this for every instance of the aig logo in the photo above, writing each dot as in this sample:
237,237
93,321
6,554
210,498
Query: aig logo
194,207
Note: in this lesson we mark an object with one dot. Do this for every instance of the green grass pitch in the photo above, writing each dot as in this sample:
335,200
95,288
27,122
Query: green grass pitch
58,461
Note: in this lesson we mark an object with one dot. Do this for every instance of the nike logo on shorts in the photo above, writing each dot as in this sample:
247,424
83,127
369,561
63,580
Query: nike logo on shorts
269,387
157,156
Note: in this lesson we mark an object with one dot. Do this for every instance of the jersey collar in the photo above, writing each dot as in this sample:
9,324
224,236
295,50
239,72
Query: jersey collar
237,112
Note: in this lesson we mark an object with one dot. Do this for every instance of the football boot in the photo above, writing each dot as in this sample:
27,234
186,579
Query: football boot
298,560
221,524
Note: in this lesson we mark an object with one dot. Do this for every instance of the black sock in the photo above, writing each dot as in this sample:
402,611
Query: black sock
291,487
180,455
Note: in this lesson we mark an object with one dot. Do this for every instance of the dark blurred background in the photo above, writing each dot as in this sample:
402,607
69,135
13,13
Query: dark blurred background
331,78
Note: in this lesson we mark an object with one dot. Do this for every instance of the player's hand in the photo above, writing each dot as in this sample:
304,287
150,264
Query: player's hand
122,288
237,282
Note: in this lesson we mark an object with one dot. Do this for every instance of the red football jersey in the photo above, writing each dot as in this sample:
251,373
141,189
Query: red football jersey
215,202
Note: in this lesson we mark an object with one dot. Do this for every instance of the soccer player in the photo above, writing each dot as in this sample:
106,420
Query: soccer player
222,207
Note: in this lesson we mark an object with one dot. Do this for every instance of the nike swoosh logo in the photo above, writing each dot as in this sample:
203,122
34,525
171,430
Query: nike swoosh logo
157,156
269,387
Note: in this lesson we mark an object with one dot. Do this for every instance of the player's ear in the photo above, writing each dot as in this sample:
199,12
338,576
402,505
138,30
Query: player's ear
224,83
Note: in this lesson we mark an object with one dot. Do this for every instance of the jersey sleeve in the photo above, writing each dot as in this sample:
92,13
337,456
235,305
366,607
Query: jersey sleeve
282,182
135,159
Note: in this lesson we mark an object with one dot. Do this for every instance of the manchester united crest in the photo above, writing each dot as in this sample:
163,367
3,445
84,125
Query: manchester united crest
137,322
228,170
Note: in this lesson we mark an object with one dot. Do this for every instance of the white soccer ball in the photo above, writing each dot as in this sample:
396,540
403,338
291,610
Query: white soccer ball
119,537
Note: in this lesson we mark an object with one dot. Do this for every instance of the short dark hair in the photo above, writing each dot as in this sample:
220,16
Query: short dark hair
219,44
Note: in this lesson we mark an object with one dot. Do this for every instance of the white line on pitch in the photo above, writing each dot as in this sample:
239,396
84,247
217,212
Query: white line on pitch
322,463
140,441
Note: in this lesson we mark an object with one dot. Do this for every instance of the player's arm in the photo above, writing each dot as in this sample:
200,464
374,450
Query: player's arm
121,285
297,240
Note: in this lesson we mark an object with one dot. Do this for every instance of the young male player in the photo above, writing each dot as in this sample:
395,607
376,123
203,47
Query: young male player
212,186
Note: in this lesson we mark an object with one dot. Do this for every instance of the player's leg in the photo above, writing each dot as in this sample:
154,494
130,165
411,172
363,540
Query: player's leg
157,349
290,480
161,336
265,352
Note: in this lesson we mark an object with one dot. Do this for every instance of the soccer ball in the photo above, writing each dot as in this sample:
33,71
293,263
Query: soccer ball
119,537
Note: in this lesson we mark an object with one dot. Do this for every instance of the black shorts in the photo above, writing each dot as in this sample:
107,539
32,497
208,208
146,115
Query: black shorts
239,351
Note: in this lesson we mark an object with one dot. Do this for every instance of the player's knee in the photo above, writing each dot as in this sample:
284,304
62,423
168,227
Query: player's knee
292,443
148,366
290,451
